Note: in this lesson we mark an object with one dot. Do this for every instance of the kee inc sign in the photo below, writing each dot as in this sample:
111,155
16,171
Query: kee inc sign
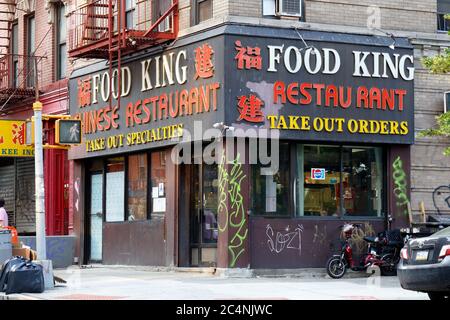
12,139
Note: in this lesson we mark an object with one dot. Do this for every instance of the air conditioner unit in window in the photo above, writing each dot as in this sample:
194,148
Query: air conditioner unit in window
290,8
446,101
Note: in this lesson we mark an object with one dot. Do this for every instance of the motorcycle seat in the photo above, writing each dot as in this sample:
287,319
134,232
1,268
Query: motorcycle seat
395,244
370,239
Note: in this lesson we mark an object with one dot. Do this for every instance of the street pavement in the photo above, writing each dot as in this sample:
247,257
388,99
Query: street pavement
117,283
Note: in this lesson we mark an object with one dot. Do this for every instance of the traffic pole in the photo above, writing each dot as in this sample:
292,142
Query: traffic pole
39,171
39,182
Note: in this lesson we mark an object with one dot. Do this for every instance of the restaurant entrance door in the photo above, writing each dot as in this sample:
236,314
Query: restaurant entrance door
203,215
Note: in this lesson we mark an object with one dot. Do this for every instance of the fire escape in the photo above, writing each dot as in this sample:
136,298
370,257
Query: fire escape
109,29
16,70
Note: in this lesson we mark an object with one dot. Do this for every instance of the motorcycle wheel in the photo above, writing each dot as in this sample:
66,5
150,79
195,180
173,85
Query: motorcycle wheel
388,270
336,267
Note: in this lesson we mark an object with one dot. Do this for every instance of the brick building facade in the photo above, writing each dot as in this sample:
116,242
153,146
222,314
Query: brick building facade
29,31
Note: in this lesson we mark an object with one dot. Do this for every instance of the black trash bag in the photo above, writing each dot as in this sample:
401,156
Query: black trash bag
25,277
6,268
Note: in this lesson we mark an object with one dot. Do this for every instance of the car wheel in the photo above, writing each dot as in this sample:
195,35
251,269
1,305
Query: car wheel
439,296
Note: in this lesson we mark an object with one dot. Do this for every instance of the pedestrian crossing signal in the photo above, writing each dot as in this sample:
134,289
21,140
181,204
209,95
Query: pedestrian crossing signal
67,131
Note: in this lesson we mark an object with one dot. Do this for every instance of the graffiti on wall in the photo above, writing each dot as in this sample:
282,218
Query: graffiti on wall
320,236
288,239
441,199
400,185
357,240
235,217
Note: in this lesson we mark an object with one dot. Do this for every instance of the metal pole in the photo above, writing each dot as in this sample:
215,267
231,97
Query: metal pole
39,172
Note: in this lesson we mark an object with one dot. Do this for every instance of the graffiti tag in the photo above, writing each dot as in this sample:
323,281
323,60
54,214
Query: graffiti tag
400,184
284,240
320,236
441,198
235,218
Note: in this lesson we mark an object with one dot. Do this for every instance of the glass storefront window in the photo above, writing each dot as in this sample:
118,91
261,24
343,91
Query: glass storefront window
327,174
115,189
270,193
319,179
158,177
137,187
362,181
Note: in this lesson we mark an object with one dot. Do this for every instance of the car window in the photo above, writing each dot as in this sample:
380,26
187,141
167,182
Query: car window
443,232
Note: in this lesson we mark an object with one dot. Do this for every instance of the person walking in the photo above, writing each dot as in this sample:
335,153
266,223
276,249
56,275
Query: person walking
3,214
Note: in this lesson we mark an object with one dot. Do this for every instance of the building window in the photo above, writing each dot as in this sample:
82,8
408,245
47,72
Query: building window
362,181
270,192
15,55
130,6
31,36
321,181
319,175
340,180
203,10
115,189
443,9
137,187
268,7
61,48
158,178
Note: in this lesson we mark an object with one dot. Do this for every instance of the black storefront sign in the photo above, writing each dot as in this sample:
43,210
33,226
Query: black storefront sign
164,97
340,88
328,91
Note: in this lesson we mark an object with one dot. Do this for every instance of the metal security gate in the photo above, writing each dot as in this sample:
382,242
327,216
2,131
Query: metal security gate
25,202
7,187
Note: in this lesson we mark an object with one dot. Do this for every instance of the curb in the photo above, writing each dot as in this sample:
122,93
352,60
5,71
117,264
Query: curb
18,296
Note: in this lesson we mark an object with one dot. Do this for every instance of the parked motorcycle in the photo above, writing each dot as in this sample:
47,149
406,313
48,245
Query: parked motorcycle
382,251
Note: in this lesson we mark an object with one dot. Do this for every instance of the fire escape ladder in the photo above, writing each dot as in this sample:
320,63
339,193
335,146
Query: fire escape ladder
101,29
12,65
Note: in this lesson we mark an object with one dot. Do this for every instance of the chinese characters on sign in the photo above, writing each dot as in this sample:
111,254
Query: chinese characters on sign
250,109
12,139
18,132
204,67
248,57
84,92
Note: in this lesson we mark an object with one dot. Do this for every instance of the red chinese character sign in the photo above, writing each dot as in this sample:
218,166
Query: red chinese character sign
204,67
250,109
84,92
248,57
18,133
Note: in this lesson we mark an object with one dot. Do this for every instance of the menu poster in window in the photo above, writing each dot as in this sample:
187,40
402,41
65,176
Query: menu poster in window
161,189
159,205
155,192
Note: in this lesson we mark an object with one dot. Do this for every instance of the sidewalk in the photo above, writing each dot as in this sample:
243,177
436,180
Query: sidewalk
144,283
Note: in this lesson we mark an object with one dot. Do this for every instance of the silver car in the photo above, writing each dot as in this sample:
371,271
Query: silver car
425,265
